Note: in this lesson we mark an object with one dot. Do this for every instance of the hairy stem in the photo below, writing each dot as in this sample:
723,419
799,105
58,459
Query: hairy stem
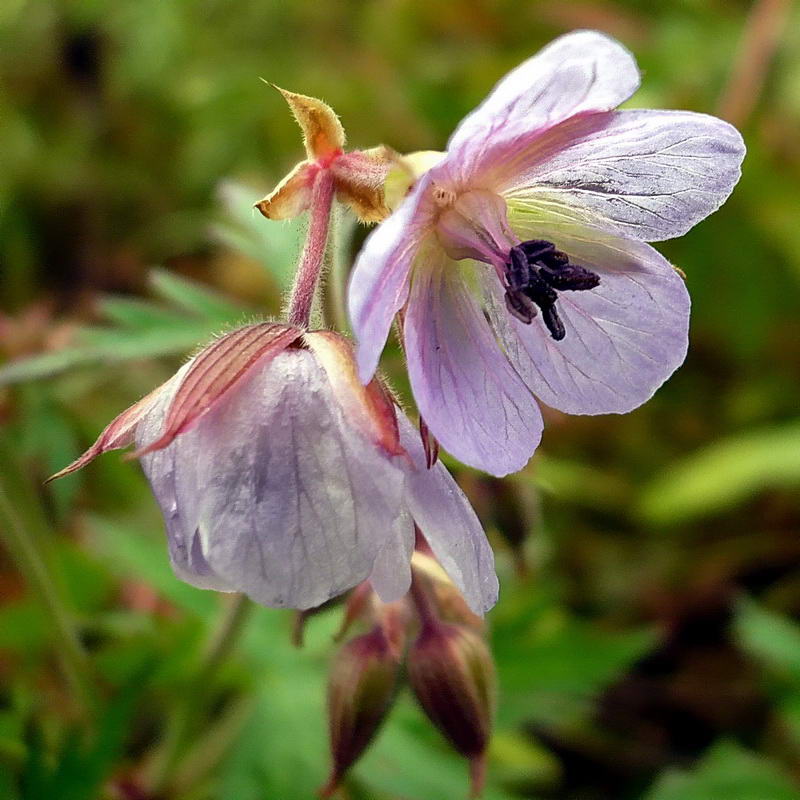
312,259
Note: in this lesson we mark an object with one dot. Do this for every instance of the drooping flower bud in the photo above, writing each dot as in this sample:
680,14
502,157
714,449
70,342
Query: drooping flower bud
282,476
452,674
360,691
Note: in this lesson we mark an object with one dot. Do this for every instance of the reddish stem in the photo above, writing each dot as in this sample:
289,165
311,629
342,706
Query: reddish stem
310,267
477,775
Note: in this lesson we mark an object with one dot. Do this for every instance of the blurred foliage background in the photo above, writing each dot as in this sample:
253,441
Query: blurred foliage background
647,635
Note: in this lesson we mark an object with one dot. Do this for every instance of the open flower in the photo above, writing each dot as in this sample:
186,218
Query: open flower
280,475
520,261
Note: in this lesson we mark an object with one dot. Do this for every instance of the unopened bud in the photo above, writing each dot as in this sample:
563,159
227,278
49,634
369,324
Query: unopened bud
450,603
360,691
452,674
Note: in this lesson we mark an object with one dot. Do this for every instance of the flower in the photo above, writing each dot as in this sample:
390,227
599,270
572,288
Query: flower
358,176
281,476
520,258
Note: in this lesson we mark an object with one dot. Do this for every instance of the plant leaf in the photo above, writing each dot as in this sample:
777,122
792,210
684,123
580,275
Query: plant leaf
724,474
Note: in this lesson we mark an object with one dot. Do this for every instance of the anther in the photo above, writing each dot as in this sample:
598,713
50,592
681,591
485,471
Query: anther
535,273
570,277
553,322
520,306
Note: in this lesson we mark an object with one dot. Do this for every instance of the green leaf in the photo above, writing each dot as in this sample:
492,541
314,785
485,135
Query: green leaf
274,245
135,315
551,665
137,548
193,297
728,772
724,474
771,637
143,330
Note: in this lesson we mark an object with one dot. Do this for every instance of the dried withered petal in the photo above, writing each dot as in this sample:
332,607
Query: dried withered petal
323,134
360,177
292,196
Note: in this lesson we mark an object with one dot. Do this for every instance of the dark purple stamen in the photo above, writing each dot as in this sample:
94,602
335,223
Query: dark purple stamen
535,273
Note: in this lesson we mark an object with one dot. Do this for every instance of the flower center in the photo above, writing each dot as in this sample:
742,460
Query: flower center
474,225
535,273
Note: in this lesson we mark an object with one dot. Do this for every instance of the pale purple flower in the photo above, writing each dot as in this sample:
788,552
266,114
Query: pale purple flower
281,476
520,261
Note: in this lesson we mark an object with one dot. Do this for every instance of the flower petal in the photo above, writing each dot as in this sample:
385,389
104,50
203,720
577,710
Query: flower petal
582,71
185,548
379,282
471,398
391,573
291,504
647,175
449,524
217,369
623,338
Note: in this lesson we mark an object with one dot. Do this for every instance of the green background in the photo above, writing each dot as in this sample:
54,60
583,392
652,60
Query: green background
647,636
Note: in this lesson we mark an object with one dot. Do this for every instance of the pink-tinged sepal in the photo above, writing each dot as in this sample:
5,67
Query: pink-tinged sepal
429,444
120,432
216,370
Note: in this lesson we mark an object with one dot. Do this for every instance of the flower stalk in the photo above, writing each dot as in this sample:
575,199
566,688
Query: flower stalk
301,299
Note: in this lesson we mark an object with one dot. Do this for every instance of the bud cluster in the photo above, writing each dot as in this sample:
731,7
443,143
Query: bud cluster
448,667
